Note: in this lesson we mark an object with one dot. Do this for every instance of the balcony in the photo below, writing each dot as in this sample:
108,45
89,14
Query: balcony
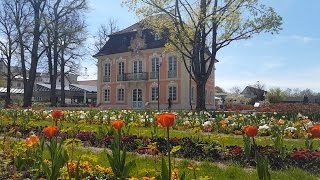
154,75
106,78
121,77
172,74
136,76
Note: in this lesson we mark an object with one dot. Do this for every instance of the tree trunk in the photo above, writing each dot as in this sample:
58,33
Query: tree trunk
53,94
27,99
63,93
8,98
201,95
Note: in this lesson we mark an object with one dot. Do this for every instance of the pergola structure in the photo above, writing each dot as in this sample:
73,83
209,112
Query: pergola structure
75,93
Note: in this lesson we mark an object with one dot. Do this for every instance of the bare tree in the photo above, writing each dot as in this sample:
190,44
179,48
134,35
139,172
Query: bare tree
32,19
307,92
71,42
199,29
235,90
296,92
288,92
8,45
219,89
57,18
104,31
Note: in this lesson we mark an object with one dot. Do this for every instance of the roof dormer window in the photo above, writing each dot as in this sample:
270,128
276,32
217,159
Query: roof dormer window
156,37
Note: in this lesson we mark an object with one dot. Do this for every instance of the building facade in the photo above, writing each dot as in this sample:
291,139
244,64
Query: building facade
134,70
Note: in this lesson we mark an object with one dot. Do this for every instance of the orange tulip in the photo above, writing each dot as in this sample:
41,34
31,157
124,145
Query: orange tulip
32,140
315,130
281,122
56,114
251,131
147,178
50,131
117,124
166,119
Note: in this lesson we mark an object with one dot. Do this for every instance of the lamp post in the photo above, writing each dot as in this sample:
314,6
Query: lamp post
158,69
223,98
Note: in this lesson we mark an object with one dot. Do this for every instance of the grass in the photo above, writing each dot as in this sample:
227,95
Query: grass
223,139
149,166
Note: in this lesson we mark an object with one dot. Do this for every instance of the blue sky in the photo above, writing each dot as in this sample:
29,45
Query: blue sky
289,59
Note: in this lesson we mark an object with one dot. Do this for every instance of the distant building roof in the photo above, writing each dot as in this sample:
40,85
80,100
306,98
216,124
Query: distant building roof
47,87
12,90
252,92
77,87
88,82
71,87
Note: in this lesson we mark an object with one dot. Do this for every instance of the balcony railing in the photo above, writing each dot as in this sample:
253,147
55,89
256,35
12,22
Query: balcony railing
154,75
172,74
136,76
121,77
106,78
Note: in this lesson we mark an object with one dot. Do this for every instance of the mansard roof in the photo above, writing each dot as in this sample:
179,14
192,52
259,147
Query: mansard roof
121,41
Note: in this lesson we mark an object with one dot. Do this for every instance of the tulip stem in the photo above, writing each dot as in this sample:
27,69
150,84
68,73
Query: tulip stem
119,142
168,149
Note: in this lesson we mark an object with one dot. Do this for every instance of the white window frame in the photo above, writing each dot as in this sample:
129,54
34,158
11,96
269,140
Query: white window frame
107,69
173,65
121,70
137,66
154,97
120,95
155,63
121,66
173,92
106,95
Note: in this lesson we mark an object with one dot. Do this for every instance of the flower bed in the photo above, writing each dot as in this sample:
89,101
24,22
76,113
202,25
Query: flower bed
103,129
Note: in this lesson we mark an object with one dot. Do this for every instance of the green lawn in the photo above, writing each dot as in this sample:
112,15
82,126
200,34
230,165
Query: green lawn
150,166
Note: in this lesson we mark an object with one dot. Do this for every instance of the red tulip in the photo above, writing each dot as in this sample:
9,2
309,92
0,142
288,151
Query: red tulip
56,114
251,130
50,131
315,130
117,124
166,119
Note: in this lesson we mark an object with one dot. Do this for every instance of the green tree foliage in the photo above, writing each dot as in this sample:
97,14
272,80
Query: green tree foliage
198,29
275,95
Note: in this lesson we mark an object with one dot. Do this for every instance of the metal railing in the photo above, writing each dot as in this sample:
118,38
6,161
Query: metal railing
106,78
136,76
172,74
121,77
